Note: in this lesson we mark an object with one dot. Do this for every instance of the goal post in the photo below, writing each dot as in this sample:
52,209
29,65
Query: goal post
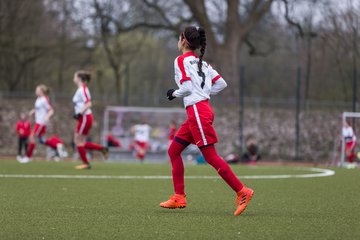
118,122
345,117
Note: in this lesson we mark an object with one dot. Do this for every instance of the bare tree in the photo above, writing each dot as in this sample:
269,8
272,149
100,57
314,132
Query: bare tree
19,45
226,33
117,53
304,27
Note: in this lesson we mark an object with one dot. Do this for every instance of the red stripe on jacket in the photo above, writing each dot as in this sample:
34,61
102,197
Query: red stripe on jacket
86,96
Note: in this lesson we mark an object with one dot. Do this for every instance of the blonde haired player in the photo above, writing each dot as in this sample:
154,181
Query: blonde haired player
83,115
197,81
43,111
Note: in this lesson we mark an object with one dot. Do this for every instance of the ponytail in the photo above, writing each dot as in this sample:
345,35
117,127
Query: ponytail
202,53
195,38
45,90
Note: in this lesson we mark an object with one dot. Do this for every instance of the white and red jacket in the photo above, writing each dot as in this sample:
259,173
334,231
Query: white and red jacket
348,134
188,79
142,133
81,97
42,108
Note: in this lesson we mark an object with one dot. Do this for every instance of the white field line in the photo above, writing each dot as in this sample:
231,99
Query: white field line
319,172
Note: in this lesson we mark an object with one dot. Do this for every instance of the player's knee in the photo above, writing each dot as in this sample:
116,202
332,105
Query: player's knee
173,151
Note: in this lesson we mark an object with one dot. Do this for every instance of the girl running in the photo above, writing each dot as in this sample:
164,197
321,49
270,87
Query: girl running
43,111
349,137
84,117
197,80
141,144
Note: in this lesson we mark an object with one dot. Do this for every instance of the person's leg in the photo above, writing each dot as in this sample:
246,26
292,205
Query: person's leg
182,140
20,145
80,144
93,146
38,132
348,153
83,128
244,194
26,144
177,164
223,169
53,142
31,147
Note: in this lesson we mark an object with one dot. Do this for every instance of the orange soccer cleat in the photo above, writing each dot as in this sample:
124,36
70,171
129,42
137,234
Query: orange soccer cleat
83,167
175,201
242,200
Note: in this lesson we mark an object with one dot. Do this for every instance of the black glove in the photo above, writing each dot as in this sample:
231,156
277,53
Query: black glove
77,116
170,94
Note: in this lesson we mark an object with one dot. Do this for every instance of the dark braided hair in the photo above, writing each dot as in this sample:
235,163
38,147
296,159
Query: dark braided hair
85,76
195,38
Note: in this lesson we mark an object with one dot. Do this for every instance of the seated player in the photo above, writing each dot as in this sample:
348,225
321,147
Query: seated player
251,155
112,141
57,146
23,130
141,139
348,136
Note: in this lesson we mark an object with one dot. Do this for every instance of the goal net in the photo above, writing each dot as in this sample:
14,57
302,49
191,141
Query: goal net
347,141
118,131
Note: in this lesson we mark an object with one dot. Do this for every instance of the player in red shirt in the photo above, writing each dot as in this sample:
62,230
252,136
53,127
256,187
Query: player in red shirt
84,117
23,129
197,80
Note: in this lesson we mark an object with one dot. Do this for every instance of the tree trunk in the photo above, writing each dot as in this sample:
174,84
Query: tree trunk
227,63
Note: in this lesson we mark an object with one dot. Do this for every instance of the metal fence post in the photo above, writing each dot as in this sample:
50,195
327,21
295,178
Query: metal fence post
297,114
241,108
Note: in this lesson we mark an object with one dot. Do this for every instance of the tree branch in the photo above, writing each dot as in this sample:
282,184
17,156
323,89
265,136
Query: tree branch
290,21
199,11
232,21
253,51
255,15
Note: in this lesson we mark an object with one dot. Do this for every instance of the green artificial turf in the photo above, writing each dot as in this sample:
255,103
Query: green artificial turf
311,208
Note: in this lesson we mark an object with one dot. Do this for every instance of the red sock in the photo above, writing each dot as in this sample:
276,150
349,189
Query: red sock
93,146
174,151
212,157
140,156
82,154
30,151
351,157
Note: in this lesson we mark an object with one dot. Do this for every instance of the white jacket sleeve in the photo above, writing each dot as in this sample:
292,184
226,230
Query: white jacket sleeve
218,86
184,90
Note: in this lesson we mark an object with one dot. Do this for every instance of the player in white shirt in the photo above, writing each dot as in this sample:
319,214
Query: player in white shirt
197,81
84,117
43,111
348,136
142,134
